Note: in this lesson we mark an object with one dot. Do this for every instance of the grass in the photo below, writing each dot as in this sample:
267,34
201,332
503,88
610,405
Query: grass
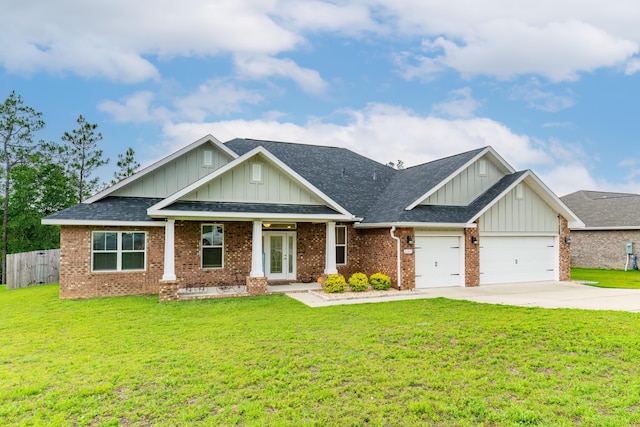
271,361
608,278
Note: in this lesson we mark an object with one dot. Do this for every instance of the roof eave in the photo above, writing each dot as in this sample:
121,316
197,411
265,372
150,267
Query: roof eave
416,225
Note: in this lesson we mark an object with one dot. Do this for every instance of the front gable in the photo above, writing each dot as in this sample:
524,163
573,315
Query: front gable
520,210
258,180
469,183
178,173
255,178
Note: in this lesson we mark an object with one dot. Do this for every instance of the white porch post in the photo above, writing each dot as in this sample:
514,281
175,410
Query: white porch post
330,261
169,250
256,250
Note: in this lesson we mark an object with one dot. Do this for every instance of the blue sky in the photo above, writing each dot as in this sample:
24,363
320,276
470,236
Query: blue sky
553,86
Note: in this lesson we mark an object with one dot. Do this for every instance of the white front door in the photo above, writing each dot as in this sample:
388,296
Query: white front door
438,261
280,255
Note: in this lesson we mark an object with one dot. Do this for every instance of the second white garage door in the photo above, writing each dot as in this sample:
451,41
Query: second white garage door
438,261
517,259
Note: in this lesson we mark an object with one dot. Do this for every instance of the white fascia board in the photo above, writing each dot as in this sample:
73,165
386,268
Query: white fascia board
101,222
541,190
416,225
160,163
610,228
248,216
155,209
487,150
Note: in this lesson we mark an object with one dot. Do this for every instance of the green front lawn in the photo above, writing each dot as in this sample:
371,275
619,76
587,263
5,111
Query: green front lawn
271,361
608,278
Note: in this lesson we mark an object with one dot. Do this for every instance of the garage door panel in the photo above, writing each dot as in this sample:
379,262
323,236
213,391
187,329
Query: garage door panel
517,259
437,261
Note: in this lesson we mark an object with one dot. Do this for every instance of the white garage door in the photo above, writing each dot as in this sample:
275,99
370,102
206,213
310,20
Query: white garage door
438,261
517,259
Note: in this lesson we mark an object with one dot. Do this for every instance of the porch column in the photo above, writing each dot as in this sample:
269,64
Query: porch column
169,250
330,261
256,250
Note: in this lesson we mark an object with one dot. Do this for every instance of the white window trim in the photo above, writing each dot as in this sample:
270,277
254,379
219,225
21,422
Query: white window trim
344,227
202,247
119,251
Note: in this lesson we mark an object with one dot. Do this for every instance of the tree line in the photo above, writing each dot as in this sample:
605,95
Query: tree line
43,177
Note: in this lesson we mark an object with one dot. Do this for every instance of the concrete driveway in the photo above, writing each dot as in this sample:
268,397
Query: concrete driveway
535,294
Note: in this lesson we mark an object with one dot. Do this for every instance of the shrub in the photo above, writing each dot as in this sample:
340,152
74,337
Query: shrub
380,282
358,282
335,283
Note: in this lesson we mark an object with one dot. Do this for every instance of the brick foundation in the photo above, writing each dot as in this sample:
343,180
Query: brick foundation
169,291
256,285
472,257
565,249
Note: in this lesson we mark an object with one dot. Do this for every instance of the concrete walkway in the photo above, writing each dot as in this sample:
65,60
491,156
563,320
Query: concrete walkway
537,294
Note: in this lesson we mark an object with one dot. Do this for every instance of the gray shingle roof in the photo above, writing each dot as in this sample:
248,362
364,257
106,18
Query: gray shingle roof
250,208
410,184
109,209
602,209
352,180
366,188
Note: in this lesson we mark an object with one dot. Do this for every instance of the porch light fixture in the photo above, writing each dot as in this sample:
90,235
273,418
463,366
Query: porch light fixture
567,240
267,225
409,240
474,240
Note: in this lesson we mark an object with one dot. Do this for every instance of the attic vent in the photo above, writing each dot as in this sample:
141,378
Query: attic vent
482,167
519,191
256,172
207,158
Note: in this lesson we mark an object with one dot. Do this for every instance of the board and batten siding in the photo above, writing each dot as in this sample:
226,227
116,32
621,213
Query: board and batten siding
177,174
529,214
238,185
467,185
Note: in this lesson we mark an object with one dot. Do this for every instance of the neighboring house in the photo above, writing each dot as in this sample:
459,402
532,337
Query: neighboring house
281,212
611,221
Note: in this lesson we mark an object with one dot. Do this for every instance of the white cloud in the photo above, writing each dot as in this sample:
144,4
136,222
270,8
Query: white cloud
136,108
632,67
533,94
112,38
460,104
374,132
558,51
262,67
217,97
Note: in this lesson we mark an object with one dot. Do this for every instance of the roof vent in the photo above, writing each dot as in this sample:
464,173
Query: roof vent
375,176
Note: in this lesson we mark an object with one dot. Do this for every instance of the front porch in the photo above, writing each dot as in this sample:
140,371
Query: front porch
172,292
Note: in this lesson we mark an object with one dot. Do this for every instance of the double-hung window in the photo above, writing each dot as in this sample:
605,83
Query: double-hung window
341,244
212,245
118,250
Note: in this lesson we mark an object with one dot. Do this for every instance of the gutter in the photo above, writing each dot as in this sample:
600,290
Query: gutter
397,239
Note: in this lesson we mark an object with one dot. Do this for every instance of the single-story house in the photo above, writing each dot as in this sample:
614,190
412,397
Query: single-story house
612,221
282,212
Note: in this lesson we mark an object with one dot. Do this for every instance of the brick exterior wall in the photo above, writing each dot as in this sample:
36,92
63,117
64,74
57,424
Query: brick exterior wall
565,249
602,248
310,248
77,280
374,250
236,257
472,257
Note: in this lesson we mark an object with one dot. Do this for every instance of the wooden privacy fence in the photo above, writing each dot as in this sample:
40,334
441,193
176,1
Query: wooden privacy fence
33,268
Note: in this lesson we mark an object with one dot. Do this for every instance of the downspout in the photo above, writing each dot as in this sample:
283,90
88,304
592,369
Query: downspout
397,239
